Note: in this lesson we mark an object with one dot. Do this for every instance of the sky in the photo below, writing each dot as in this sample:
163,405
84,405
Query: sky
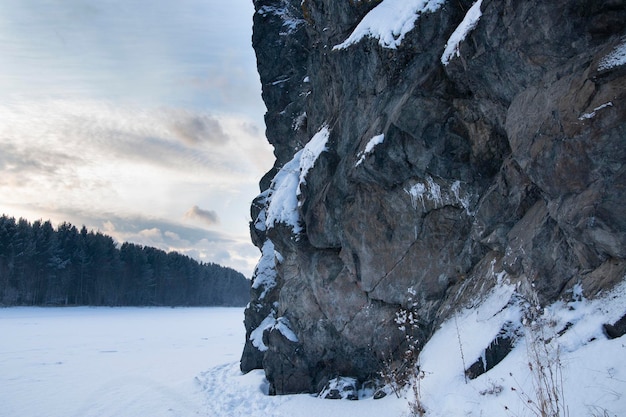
141,119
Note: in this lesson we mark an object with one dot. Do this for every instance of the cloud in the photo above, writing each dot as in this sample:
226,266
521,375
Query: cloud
144,227
251,129
154,233
172,235
177,140
206,216
194,129
20,166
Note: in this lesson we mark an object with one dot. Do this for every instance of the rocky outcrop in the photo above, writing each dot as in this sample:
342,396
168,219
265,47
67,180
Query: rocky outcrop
424,150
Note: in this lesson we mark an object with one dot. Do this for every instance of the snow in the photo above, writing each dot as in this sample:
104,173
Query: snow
592,369
468,24
265,273
299,121
344,386
312,151
132,362
592,114
390,21
281,81
284,327
283,199
464,200
158,362
284,12
430,191
246,396
270,322
285,187
260,223
256,336
417,192
616,58
369,148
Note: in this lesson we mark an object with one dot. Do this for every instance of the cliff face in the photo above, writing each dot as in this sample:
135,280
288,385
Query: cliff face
424,150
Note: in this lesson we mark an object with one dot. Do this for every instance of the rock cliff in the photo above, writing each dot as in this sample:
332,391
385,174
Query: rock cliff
424,150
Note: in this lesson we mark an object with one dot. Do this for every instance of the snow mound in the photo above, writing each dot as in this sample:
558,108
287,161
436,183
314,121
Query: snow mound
390,21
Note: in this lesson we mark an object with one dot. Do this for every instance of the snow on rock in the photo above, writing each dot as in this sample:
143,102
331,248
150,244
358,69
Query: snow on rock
344,388
284,327
260,221
271,322
460,33
592,114
285,187
390,21
285,13
256,337
299,121
431,191
470,332
464,199
475,328
616,58
369,148
281,80
265,274
417,192
312,151
283,199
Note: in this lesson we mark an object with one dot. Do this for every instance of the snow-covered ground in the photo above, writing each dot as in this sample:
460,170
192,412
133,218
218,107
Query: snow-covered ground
111,361
139,362
571,358
142,362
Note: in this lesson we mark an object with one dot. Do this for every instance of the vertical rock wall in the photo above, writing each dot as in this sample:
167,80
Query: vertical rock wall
408,180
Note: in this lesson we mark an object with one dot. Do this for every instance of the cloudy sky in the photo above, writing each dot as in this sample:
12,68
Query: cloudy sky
138,118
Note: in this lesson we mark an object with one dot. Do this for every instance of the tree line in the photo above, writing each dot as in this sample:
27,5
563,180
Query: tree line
41,265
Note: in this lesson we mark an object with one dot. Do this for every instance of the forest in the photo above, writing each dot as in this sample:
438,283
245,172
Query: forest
41,265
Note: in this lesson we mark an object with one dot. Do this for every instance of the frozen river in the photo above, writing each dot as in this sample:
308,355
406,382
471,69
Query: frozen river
142,362
112,361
